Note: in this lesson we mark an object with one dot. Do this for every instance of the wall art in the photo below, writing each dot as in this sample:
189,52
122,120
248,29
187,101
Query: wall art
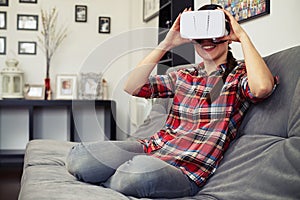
150,9
244,10
2,45
27,22
27,1
28,48
104,24
80,13
3,20
4,3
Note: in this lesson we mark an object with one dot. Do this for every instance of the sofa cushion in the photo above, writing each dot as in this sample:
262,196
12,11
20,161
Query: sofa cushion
46,152
44,182
271,116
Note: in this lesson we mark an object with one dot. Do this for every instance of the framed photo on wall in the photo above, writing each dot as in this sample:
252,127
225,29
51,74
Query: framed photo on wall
34,91
104,25
244,10
2,45
66,87
150,9
28,48
80,13
27,22
3,2
27,1
2,20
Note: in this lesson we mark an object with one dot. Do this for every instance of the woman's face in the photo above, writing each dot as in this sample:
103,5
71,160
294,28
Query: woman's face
210,51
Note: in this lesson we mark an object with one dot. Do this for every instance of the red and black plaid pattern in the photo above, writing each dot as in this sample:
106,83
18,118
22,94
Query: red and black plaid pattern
198,131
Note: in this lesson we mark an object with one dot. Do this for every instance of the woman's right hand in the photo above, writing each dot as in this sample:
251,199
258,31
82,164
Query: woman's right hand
139,76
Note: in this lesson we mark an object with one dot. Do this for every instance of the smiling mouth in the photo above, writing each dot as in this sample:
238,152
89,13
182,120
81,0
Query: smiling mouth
208,47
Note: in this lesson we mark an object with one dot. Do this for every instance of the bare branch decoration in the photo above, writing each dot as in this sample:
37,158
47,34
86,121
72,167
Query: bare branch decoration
51,36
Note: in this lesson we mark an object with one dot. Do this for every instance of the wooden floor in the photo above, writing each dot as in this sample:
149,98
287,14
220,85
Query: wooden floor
10,182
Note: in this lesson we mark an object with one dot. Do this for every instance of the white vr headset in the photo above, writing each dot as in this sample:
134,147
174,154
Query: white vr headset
203,24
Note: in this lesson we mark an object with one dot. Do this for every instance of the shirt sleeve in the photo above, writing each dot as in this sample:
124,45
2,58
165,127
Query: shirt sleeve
247,92
159,86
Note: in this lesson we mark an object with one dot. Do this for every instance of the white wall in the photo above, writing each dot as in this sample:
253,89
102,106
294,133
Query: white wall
117,53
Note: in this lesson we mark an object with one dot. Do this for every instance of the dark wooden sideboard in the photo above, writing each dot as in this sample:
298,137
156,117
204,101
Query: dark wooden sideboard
73,108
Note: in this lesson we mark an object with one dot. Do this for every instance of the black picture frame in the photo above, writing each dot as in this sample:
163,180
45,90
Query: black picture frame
81,13
4,2
3,20
28,1
2,45
243,11
104,25
27,22
27,48
150,9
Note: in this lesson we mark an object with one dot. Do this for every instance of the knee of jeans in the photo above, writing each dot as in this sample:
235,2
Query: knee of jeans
73,163
129,184
132,180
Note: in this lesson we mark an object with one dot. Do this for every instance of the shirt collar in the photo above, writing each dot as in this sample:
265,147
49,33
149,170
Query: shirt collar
221,68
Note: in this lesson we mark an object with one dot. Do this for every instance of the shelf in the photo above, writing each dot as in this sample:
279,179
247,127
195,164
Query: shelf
163,31
165,61
11,152
23,102
184,54
11,158
165,3
34,113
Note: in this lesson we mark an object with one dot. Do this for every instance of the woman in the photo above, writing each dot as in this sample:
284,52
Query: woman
209,102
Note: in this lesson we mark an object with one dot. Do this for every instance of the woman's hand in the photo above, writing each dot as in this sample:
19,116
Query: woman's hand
260,79
173,38
139,76
237,33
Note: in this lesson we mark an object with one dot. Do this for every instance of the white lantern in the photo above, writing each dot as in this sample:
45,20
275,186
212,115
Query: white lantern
12,80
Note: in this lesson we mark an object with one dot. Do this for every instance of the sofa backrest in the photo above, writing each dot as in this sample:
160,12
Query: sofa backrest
272,115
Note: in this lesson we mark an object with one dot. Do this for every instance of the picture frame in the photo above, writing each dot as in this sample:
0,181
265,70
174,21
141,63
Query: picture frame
27,1
150,9
104,24
80,13
245,10
3,20
66,86
27,22
2,45
4,2
34,92
27,48
90,86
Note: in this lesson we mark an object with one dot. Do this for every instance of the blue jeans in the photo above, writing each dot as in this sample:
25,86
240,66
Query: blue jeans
123,166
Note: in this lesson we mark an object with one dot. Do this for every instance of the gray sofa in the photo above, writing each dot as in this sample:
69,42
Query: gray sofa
262,163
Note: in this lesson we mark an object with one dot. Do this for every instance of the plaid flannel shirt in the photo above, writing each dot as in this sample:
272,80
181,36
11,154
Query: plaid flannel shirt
197,132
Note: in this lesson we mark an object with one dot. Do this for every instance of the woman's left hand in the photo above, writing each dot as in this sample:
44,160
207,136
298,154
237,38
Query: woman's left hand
236,31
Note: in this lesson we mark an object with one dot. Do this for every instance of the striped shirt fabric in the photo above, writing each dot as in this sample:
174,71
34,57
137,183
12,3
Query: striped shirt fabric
198,131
